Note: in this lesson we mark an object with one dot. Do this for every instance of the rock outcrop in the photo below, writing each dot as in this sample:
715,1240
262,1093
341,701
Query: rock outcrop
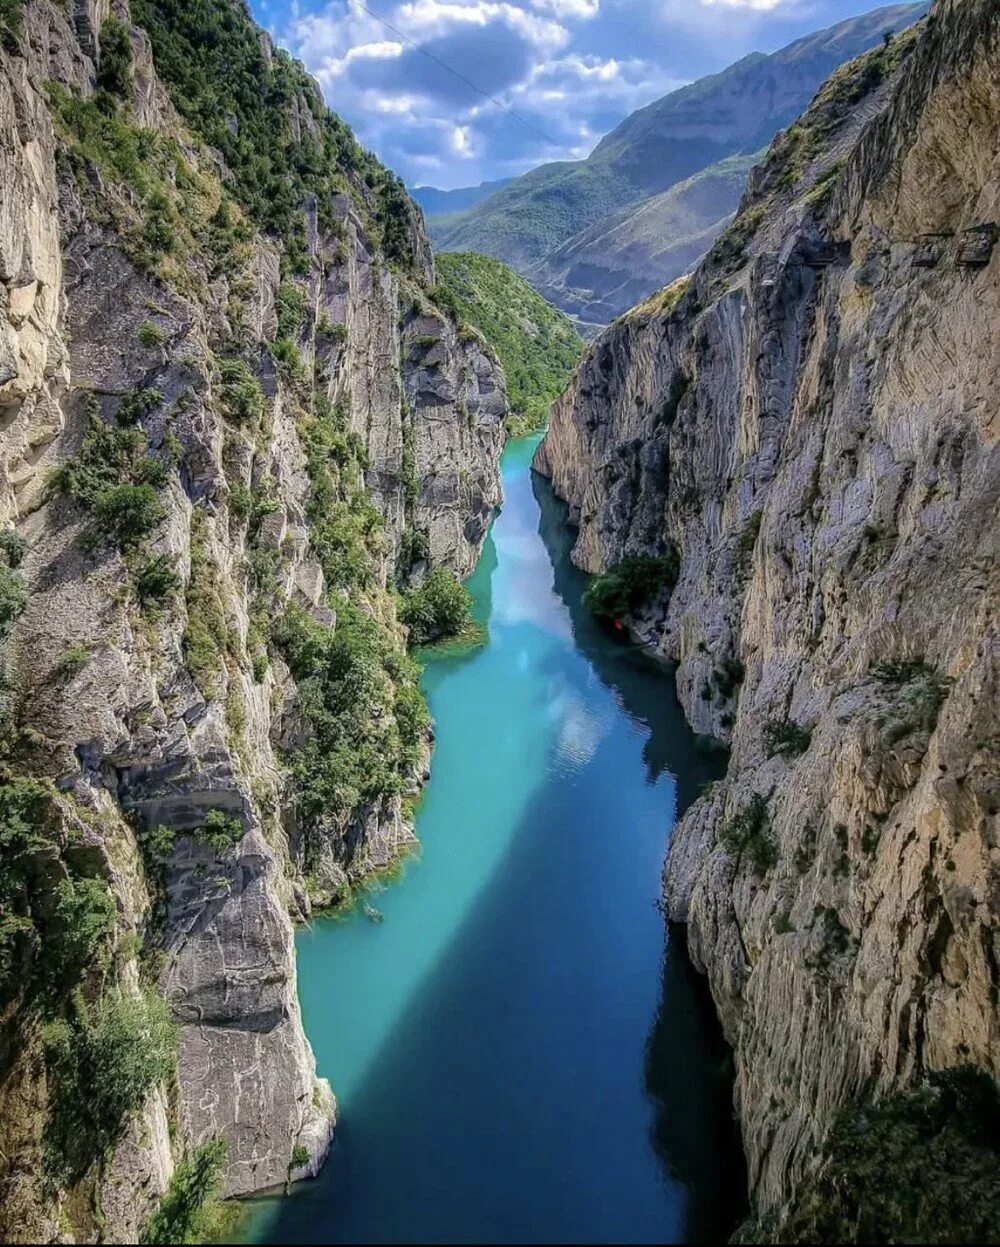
220,449
810,421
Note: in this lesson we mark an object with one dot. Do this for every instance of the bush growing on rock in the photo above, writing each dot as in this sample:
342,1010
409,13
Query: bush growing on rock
104,1059
13,547
13,599
114,68
749,832
190,1203
126,513
55,921
918,1167
636,581
220,830
439,608
786,738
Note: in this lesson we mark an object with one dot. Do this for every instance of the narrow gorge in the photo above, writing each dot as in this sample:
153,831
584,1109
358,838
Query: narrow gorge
380,668
787,467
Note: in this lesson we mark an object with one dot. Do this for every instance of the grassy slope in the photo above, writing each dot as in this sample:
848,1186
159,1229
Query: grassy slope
537,344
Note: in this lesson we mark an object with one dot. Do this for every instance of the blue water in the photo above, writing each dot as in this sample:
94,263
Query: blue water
518,1053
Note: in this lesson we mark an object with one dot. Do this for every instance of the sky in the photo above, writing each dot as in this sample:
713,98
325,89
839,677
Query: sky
564,71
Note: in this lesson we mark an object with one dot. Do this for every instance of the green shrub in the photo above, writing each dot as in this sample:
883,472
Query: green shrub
115,478
917,1167
728,677
189,1201
158,230
441,607
10,23
749,535
300,1156
220,830
636,581
13,547
55,922
104,1059
241,394
366,715
138,404
150,334
206,636
13,599
786,738
288,358
240,502
156,581
918,694
290,306
72,662
749,833
114,68
126,513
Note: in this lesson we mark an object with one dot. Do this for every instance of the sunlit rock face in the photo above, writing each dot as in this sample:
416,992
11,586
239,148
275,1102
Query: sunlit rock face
811,421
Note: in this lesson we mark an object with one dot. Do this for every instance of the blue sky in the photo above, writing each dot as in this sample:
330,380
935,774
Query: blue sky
571,69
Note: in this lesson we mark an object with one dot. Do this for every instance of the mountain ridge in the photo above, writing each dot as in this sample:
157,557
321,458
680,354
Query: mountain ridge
733,112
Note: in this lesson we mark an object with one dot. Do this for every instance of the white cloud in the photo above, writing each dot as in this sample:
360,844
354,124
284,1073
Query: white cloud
461,142
759,6
564,9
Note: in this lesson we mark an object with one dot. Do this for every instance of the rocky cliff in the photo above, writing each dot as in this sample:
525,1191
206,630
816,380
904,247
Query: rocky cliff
232,420
801,438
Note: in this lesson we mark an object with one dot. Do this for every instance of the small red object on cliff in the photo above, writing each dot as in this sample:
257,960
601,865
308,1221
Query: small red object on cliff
619,625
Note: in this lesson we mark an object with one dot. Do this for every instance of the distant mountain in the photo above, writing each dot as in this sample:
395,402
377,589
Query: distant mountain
439,203
619,261
566,225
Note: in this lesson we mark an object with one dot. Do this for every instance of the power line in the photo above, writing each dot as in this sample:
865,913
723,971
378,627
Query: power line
454,72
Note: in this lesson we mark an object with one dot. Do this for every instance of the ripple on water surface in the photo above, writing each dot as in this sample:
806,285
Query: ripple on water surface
515,1056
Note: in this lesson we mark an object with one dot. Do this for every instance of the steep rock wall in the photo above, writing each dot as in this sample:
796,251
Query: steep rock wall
293,451
811,421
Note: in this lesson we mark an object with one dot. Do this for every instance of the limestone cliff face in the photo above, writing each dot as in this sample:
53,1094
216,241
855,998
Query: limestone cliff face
811,420
313,433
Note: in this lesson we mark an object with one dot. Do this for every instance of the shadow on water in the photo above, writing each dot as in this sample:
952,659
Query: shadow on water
691,1098
557,1077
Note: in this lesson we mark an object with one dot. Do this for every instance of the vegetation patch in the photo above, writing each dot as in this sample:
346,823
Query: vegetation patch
636,581
917,692
439,609
749,833
785,737
220,830
917,1167
206,636
104,1059
56,922
190,1210
535,342
115,478
211,58
367,717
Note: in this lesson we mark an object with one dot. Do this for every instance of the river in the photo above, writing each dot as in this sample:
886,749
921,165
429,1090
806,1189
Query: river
518,1053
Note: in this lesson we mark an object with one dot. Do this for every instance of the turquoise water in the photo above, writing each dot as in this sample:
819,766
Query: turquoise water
517,1054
